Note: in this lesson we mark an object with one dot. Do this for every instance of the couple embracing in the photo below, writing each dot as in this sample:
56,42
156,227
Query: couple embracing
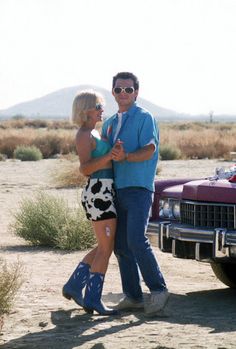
120,165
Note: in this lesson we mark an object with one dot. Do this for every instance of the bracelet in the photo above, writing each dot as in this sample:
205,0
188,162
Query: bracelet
126,156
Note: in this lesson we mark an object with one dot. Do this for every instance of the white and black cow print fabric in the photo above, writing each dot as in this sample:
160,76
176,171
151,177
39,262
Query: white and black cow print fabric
98,199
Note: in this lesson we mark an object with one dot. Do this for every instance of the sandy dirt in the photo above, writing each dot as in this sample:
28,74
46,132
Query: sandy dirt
201,312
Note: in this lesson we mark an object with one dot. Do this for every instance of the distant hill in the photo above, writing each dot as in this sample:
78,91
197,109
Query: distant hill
58,105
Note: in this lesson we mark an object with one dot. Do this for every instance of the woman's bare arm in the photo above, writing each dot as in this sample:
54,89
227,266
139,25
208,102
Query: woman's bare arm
84,146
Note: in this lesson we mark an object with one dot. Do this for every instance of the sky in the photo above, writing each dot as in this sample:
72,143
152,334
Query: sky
183,51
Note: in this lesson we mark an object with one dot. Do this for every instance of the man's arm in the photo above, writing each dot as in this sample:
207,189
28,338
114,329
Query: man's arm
142,154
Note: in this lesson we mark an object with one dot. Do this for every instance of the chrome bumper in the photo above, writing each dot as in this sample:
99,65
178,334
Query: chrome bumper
165,235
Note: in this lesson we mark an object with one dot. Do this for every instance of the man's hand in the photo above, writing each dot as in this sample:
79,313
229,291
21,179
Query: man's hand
118,152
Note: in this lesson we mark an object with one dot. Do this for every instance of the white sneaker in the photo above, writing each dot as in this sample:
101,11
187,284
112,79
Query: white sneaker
127,303
156,302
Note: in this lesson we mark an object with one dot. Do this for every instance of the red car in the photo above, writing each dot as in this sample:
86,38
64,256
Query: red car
197,219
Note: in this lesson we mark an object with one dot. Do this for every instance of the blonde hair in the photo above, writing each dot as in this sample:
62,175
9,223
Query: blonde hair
83,102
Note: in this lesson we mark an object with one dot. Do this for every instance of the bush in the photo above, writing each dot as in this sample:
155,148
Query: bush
27,153
8,143
52,137
69,175
2,157
169,152
48,221
20,122
10,281
77,233
51,143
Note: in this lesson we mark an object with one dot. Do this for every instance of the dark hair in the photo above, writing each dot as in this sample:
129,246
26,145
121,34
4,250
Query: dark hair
126,76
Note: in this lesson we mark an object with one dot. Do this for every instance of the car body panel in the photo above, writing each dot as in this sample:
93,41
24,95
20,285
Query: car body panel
216,198
210,190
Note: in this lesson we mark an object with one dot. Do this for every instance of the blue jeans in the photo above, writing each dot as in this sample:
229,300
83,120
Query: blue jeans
132,247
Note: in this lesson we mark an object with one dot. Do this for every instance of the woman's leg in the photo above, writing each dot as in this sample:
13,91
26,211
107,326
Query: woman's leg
105,233
88,259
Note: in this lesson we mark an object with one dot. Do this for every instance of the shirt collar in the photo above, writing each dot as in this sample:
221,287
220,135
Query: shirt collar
130,111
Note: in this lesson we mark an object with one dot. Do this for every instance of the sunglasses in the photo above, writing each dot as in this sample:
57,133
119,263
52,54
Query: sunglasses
98,106
118,90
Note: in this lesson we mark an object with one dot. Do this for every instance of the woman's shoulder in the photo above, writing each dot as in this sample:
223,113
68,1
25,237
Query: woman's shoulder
83,135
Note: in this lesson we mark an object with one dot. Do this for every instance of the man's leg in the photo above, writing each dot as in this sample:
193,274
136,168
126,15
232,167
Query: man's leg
139,202
128,267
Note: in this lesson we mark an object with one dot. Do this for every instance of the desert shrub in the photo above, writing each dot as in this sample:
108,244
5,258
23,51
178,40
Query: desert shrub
52,137
184,126
49,144
169,152
200,140
9,143
52,143
224,127
27,153
10,281
47,220
208,145
68,175
77,232
20,122
2,157
17,123
36,123
68,143
61,124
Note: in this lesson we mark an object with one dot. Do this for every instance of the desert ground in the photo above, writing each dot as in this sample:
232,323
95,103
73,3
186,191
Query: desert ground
201,312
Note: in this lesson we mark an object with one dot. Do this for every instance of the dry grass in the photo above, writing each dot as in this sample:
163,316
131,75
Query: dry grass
195,140
21,122
69,176
200,140
50,142
10,281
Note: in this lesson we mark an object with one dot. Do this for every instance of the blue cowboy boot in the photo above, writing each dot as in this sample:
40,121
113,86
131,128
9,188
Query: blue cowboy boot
74,286
93,294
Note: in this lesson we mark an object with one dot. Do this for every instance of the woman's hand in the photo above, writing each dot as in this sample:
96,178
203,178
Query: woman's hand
118,152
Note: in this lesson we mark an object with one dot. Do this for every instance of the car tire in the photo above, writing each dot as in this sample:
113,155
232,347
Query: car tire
225,272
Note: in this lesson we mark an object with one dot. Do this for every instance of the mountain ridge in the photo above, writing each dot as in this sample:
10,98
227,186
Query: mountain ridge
58,104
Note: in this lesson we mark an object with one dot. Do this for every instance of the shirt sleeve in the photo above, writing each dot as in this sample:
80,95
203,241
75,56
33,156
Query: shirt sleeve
152,141
149,133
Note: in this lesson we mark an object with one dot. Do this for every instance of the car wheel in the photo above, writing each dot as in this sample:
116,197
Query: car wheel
225,272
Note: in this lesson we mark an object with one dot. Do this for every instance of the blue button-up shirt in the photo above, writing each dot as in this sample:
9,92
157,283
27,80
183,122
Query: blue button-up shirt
138,129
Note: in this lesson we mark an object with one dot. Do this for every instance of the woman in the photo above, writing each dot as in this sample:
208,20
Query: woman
98,202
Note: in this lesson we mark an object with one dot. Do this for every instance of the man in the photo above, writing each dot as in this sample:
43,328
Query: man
134,133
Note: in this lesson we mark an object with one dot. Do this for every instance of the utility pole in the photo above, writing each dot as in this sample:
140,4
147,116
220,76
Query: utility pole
211,116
